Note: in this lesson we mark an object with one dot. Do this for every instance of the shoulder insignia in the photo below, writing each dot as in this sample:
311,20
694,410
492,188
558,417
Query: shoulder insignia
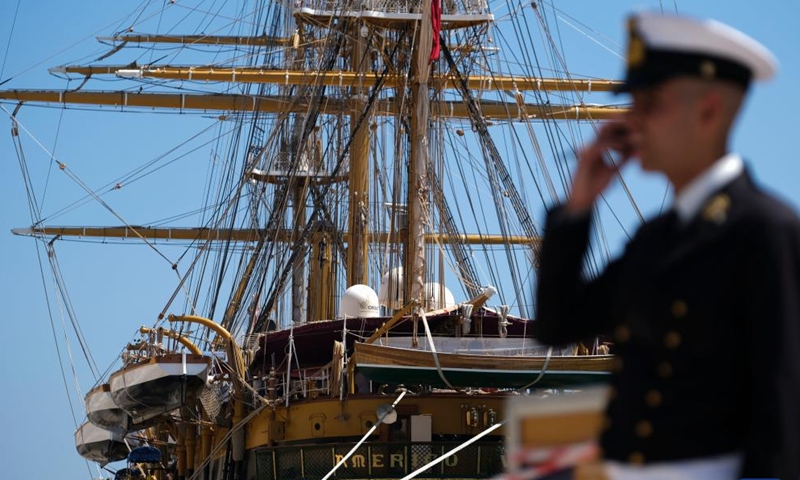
716,209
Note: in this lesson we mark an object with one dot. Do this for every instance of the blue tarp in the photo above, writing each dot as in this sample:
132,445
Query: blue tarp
145,454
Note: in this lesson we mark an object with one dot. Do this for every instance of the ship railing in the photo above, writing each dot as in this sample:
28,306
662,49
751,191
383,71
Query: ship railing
305,383
311,383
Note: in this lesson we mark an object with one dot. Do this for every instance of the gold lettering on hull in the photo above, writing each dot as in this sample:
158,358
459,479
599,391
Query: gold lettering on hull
339,459
359,461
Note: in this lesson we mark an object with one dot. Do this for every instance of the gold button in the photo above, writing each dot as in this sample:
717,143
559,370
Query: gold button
672,340
679,309
644,429
636,458
653,398
622,334
664,370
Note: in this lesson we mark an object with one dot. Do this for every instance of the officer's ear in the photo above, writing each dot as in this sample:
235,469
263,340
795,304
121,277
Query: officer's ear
718,105
709,108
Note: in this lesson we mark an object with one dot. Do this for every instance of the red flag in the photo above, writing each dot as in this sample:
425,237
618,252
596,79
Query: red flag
436,26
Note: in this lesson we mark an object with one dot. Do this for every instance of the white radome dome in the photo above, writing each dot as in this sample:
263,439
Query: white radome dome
359,301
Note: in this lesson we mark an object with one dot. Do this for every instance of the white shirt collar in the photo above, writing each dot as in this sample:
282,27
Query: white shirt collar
719,174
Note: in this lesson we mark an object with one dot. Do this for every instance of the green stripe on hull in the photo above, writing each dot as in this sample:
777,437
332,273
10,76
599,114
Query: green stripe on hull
477,378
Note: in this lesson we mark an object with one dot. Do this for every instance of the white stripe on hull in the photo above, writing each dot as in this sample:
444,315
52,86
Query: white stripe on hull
155,371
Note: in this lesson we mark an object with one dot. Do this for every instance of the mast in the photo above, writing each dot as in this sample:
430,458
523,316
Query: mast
358,207
302,157
414,261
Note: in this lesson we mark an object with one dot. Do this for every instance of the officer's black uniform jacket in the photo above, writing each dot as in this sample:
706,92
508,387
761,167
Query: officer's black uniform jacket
706,323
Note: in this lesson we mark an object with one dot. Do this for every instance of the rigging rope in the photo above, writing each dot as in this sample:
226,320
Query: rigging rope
493,159
8,44
541,371
299,246
433,351
55,339
463,260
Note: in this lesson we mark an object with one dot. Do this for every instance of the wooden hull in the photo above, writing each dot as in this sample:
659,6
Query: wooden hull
315,339
160,385
99,445
399,365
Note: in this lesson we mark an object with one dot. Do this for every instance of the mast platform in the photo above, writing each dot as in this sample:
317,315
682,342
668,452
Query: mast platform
392,13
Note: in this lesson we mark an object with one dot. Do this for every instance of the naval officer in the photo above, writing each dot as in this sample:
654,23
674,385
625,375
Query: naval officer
704,304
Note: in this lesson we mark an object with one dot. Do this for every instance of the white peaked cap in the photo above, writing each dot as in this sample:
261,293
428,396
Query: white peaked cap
664,46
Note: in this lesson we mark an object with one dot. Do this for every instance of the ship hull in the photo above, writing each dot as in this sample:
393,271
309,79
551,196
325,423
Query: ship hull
483,459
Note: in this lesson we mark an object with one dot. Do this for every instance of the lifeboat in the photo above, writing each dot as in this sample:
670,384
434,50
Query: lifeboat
100,445
158,384
103,412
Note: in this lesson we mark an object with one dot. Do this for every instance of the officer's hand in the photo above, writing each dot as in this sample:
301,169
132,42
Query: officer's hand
596,166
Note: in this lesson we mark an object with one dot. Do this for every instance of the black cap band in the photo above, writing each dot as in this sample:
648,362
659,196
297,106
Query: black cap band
660,65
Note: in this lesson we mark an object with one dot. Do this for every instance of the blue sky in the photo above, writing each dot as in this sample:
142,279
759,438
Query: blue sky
114,291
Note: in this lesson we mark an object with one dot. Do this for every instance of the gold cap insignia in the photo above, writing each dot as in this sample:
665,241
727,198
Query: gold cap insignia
716,209
708,70
636,50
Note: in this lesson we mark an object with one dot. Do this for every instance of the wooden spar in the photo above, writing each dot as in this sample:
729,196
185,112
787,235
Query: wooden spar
392,322
230,103
358,207
256,41
481,299
342,79
253,235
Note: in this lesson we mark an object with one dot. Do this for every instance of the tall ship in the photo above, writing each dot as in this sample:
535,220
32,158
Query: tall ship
347,227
